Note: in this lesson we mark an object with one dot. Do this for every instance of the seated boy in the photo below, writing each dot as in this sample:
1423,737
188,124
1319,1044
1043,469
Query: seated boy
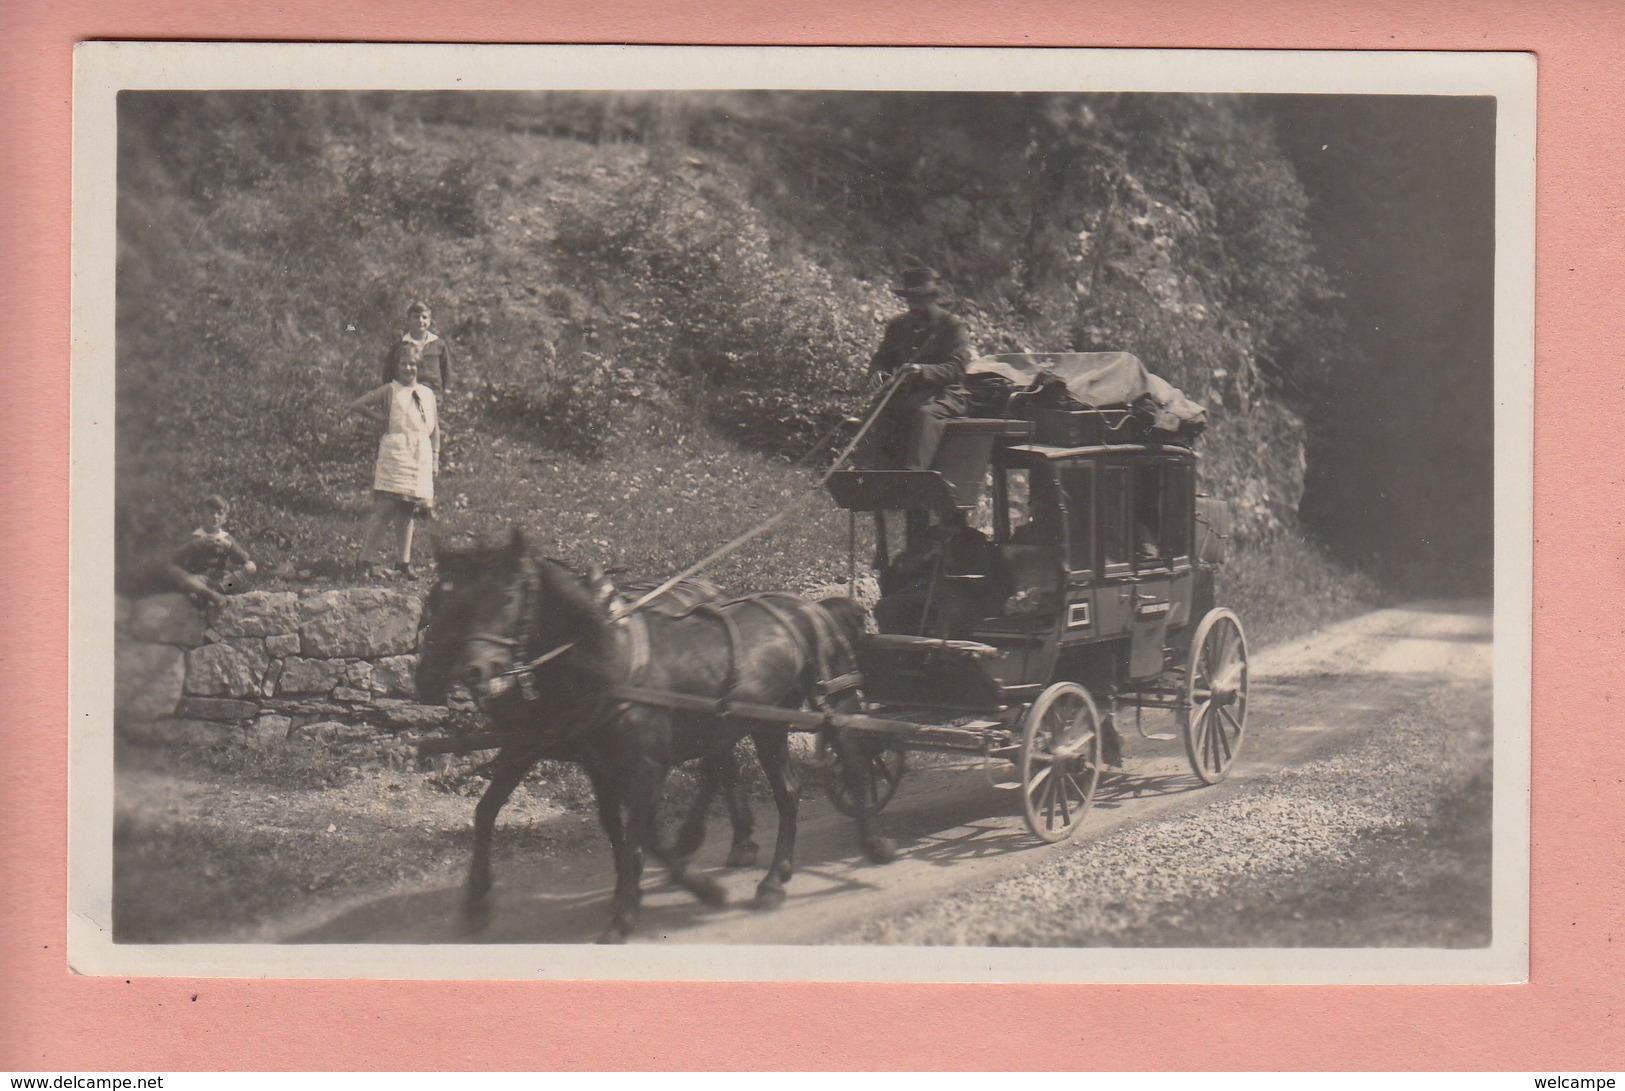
206,566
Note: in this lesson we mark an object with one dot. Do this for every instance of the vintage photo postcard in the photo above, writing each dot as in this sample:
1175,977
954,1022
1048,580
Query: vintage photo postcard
1046,516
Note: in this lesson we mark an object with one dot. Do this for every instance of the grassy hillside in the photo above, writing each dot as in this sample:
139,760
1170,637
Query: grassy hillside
654,304
254,305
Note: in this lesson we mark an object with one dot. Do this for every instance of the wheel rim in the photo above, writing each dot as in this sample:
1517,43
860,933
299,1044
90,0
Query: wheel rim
1060,761
1216,696
881,771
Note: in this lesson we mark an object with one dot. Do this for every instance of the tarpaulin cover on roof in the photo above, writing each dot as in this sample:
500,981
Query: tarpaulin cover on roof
1092,378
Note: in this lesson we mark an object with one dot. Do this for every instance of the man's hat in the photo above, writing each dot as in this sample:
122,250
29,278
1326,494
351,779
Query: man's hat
918,282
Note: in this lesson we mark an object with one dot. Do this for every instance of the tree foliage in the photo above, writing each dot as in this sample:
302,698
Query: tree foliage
1171,226
608,264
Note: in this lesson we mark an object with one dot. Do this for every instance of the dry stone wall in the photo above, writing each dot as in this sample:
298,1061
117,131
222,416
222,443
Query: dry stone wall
335,666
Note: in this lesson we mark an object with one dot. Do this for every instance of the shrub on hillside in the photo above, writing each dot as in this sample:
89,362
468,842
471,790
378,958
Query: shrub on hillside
581,410
764,341
445,197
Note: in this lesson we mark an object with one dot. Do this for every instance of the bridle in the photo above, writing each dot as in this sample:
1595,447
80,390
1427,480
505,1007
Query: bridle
522,672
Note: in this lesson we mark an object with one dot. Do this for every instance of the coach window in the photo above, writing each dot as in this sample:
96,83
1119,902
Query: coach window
1078,488
983,516
1149,538
1177,508
1112,504
1012,507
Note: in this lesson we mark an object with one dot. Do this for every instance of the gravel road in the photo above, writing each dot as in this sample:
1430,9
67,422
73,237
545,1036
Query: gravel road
1356,815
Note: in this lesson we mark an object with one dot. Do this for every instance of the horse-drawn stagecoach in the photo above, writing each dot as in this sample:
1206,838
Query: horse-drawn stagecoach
1092,524
1059,573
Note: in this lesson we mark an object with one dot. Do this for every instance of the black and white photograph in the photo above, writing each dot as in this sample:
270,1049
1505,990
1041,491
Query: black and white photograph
839,514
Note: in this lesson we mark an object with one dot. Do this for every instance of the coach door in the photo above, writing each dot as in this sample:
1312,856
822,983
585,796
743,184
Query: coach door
1136,543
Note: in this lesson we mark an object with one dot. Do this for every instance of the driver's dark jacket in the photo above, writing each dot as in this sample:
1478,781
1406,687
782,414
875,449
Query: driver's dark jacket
932,338
908,433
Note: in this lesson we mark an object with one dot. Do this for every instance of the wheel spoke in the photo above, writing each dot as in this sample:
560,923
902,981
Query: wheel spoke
1230,678
1199,720
1080,794
887,772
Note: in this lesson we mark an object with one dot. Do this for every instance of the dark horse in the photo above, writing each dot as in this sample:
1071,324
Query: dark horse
541,651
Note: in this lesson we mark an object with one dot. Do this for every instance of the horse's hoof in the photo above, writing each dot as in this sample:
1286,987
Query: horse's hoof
708,890
768,897
743,854
880,850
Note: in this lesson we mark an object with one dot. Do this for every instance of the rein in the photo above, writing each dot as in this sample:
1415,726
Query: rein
762,528
819,653
522,671
545,657
630,626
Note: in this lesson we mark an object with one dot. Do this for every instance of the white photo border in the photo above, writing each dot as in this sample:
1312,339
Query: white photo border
102,69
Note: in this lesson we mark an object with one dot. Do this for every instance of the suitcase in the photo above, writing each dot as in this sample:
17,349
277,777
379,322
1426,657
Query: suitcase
1084,427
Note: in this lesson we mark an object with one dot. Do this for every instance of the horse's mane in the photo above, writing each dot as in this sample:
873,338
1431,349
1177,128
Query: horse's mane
564,585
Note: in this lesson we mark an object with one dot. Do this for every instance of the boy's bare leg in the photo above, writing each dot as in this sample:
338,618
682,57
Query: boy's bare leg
195,585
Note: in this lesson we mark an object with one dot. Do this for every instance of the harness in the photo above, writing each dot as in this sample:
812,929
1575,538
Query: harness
633,649
522,673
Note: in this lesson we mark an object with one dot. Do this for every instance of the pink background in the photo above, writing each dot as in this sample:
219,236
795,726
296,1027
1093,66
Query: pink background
1568,1017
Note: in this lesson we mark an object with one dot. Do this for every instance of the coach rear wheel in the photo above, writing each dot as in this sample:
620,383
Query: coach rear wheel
1060,761
1215,695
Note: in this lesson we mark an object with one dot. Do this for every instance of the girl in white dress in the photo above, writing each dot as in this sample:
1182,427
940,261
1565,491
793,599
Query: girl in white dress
407,464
